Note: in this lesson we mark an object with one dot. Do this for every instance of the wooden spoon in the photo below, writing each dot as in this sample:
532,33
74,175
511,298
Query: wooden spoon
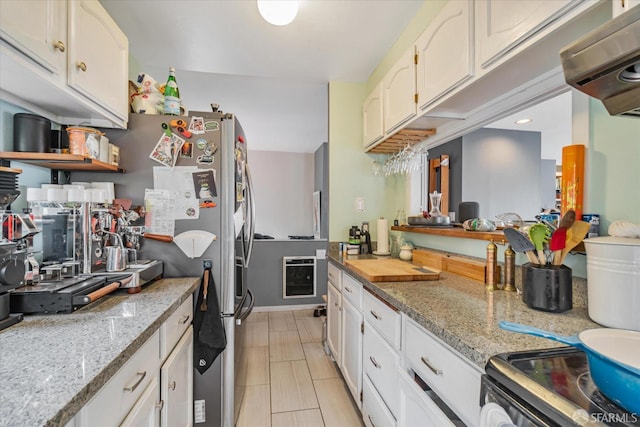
559,236
575,235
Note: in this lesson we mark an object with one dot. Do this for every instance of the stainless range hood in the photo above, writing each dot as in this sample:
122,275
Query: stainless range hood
605,64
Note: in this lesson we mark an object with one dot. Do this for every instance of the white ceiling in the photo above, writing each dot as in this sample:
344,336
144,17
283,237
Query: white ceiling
552,118
273,78
330,40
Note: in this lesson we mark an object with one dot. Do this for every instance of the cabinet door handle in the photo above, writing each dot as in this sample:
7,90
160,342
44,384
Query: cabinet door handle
347,289
59,45
160,405
82,66
335,303
376,315
172,385
185,319
375,363
430,366
371,420
135,386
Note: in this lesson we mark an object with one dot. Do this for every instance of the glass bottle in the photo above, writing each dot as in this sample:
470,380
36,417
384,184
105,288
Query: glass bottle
172,95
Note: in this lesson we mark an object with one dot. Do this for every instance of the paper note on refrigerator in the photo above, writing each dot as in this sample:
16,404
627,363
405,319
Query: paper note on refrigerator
160,207
179,180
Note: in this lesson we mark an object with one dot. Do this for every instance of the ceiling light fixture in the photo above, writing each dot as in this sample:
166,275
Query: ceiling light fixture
523,121
278,12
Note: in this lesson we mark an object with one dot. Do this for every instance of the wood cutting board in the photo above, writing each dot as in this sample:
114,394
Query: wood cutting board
391,270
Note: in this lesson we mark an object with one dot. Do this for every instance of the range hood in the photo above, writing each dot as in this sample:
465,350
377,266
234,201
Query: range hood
605,64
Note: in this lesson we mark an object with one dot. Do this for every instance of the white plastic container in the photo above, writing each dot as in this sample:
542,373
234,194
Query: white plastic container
613,281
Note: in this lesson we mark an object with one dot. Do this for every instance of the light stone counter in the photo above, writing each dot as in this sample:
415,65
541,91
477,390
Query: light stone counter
52,365
462,314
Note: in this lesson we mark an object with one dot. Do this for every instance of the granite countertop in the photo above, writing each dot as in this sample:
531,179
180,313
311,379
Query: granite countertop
462,314
52,365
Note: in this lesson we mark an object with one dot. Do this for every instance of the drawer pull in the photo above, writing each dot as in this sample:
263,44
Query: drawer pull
430,366
59,45
347,289
371,421
375,363
185,319
172,385
160,405
376,315
135,386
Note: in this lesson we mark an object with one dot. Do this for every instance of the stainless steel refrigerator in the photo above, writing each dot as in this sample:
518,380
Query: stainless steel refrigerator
222,147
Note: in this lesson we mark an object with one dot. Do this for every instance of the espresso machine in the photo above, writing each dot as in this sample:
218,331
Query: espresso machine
15,232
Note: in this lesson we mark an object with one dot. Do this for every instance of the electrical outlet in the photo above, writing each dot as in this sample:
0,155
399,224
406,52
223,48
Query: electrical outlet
321,253
199,412
207,263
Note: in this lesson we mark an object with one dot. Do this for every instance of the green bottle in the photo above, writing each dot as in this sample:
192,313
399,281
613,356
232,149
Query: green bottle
172,95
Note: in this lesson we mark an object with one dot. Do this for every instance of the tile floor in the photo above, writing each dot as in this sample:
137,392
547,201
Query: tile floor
290,381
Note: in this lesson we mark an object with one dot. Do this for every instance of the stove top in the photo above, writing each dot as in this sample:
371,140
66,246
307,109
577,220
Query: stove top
557,383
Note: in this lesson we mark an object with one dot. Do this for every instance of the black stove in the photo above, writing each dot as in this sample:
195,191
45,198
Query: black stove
550,387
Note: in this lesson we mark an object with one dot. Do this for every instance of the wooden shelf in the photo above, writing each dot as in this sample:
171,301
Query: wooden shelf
496,236
401,139
65,162
459,232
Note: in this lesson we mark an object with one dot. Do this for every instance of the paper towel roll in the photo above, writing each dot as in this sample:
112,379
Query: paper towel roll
383,237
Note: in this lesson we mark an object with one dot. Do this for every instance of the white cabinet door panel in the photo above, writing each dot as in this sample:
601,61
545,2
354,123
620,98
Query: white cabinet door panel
352,348
372,117
334,323
38,29
97,42
501,25
399,90
176,377
445,52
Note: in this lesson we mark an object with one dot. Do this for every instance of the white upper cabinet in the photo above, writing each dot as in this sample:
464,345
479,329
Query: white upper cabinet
98,56
399,90
445,52
37,28
65,60
373,124
502,25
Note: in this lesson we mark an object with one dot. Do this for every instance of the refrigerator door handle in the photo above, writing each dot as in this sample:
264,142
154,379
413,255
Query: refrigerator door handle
251,215
248,311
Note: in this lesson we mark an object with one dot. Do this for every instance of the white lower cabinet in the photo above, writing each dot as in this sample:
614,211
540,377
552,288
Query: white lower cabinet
380,362
455,380
352,348
176,379
374,411
146,412
150,389
415,406
334,323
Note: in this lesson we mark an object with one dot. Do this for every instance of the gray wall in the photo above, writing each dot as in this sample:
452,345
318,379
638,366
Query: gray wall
284,185
321,183
502,172
264,276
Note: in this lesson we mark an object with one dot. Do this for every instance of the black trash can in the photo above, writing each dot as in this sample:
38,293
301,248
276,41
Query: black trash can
31,133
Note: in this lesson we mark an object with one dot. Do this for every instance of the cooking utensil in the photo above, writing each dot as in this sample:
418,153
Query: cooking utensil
205,290
520,243
614,359
559,236
539,235
575,235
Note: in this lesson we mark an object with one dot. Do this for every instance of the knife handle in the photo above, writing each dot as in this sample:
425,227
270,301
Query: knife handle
159,237
103,291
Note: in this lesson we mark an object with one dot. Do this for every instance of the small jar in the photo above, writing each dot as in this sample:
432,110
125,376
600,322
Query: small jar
406,252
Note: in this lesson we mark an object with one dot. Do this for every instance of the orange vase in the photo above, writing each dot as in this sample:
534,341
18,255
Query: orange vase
572,179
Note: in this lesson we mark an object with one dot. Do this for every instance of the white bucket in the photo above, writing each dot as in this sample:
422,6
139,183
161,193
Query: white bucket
613,281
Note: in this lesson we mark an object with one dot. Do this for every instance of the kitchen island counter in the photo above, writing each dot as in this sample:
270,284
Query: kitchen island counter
52,365
463,315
